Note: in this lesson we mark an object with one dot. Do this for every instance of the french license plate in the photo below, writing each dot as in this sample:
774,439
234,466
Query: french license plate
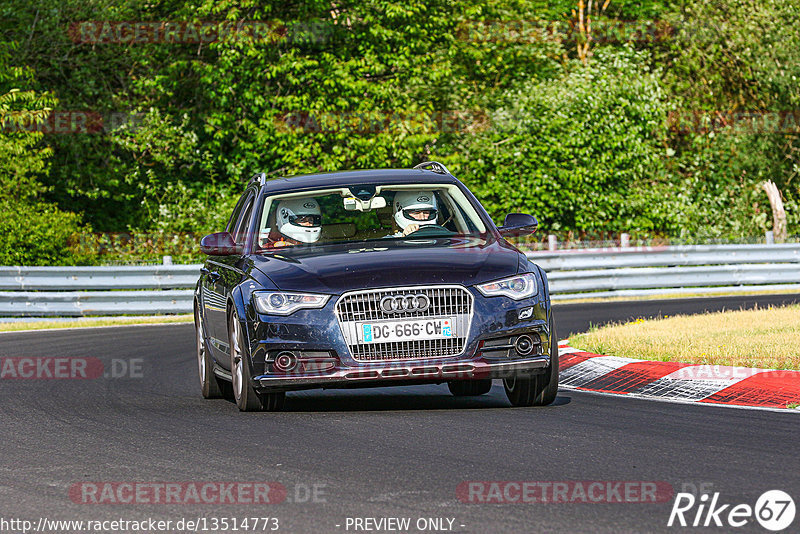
406,330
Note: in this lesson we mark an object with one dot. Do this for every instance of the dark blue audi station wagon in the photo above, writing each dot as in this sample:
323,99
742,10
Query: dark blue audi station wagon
371,278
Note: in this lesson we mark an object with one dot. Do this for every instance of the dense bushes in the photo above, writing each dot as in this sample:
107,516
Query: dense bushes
583,152
40,234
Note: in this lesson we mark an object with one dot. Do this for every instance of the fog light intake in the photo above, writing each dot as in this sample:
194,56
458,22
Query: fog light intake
285,362
523,345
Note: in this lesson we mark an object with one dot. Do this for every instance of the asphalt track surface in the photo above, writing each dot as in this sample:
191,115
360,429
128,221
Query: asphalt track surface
375,453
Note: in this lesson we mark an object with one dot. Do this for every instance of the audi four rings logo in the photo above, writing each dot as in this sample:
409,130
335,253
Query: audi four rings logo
405,303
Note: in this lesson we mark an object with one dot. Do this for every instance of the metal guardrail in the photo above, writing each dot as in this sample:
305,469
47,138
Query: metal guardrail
667,270
96,278
75,303
84,291
167,289
572,260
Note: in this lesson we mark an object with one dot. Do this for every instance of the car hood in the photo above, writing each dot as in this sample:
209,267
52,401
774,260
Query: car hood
336,268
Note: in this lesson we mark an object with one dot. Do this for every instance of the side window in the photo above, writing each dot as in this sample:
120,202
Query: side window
243,223
445,217
235,215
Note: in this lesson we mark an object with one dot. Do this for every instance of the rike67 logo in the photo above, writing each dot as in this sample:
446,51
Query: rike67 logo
774,510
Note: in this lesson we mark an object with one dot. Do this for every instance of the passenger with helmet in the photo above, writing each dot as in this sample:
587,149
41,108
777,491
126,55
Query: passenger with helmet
413,210
299,220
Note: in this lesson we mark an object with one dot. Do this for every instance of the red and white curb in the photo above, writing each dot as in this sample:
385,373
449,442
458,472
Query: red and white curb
681,382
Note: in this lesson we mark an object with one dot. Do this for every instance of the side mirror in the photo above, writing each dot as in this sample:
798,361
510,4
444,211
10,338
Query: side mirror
518,224
219,244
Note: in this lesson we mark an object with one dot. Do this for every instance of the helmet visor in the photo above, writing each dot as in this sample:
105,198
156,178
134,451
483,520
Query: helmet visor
306,220
420,214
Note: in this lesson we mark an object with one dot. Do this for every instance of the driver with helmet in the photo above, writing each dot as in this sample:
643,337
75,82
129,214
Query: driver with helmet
414,209
299,220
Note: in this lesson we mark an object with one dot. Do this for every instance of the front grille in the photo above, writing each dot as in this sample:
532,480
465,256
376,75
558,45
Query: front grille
364,306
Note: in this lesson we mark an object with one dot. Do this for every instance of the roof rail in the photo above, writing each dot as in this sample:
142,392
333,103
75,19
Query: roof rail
434,166
260,177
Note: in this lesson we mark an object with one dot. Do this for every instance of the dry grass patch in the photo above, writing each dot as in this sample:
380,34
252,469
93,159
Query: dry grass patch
90,323
768,338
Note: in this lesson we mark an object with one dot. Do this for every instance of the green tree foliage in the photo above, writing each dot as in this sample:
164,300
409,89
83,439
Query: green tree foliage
582,152
34,232
372,84
23,156
733,71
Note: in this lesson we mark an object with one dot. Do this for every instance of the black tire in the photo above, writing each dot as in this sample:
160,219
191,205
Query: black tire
469,388
245,396
209,383
537,390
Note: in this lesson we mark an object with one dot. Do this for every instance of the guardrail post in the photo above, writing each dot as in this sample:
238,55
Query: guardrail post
625,240
770,237
552,242
167,260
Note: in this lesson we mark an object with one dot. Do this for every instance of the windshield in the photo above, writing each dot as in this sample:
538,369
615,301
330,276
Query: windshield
358,214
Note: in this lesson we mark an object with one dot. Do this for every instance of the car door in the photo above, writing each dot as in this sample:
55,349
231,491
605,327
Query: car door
213,297
230,274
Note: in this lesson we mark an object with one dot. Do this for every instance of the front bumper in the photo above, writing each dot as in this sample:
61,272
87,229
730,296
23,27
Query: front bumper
488,350
408,371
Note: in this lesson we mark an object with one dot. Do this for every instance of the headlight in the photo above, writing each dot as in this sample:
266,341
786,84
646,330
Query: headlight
517,287
282,303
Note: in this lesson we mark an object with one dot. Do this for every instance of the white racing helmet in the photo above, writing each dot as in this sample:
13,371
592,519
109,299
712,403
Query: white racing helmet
407,201
292,211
